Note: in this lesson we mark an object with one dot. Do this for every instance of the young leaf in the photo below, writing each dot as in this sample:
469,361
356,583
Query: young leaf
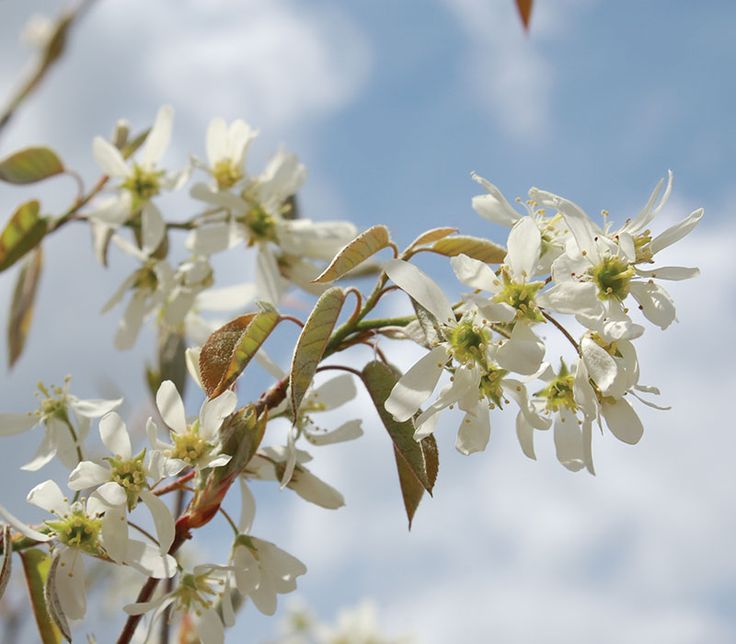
525,11
431,236
475,247
411,489
21,308
421,457
30,165
23,233
312,343
228,350
353,253
36,566
53,605
7,562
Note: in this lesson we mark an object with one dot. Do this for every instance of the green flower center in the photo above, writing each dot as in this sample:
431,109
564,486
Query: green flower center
194,593
642,248
189,447
130,475
612,277
521,296
226,173
469,342
77,530
490,386
143,185
146,279
559,392
262,225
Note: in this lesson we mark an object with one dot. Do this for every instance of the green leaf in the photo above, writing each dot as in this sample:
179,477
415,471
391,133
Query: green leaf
23,233
312,343
30,165
475,247
21,307
36,566
228,350
421,457
7,563
355,252
411,489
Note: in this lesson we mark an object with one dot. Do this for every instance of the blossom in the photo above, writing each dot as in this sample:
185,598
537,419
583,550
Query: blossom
193,444
64,432
124,478
226,149
139,182
261,570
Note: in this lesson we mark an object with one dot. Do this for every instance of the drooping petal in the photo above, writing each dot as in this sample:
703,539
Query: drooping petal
464,383
315,490
171,407
269,283
622,420
16,423
158,138
524,246
162,519
674,273
44,454
420,287
210,628
115,532
525,434
474,432
416,385
348,431
153,228
656,303
88,474
132,320
334,392
149,560
677,232
523,352
569,441
70,585
214,411
493,206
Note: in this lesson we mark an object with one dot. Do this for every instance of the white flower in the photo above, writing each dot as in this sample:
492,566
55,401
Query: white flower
261,570
123,480
194,593
226,149
139,182
64,432
193,444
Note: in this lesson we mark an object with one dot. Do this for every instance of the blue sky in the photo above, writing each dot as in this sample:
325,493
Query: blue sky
391,105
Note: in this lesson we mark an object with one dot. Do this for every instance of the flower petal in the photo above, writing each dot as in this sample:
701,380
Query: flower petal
622,420
677,232
158,138
115,532
525,434
162,519
88,474
16,423
421,288
247,507
475,273
674,273
48,496
523,352
416,385
656,303
153,228
474,432
334,392
70,584
524,246
108,157
95,408
493,206
171,407
115,435
214,411
569,441
348,431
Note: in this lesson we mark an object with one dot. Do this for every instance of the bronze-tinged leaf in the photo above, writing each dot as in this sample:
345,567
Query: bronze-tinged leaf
525,11
228,350
23,233
431,236
368,243
21,307
312,343
411,489
30,165
421,457
7,562
51,595
36,567
475,247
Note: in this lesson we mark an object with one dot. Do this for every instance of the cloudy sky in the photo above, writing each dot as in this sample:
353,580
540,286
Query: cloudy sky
391,105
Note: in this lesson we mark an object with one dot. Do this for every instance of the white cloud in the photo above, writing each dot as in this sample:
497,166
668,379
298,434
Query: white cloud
508,70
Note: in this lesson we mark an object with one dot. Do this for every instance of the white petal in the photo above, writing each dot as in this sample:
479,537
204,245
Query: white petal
44,454
226,200
158,138
227,298
494,206
192,358
214,411
525,434
601,366
572,298
465,382
111,494
569,441
656,303
88,474
474,432
210,628
515,390
153,228
268,278
21,527
16,423
112,211
315,239
416,385
622,421
162,519
148,559
171,407
524,246
675,273
94,408
108,157
115,532
475,273
420,287
209,239
70,583
314,490
48,496
582,229
677,232
115,435
349,430
216,141
523,352
247,507
130,324
335,392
